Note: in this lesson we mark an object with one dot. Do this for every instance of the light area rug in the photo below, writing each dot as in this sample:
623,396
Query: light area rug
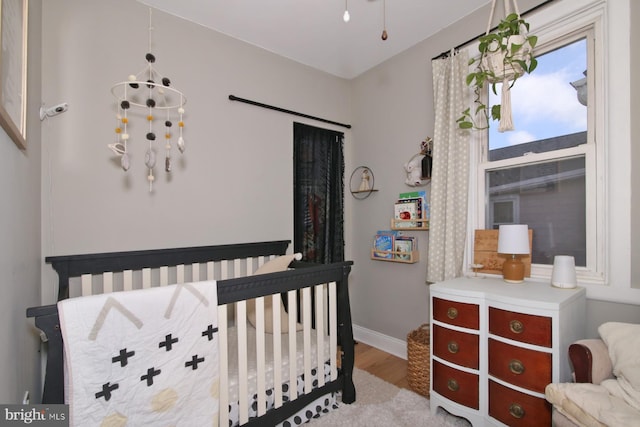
381,404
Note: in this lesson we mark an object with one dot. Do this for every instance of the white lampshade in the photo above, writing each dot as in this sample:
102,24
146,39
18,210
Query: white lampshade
513,239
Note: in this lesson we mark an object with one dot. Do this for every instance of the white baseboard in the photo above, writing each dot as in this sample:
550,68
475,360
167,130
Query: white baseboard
383,342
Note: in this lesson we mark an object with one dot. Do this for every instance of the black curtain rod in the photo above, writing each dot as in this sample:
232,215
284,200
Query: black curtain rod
461,45
282,110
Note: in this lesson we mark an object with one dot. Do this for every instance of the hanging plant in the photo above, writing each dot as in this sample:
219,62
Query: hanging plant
505,55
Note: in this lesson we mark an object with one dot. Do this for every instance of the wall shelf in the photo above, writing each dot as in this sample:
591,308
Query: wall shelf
404,224
395,256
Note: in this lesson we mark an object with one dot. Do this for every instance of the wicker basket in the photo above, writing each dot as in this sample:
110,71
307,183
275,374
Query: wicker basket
418,363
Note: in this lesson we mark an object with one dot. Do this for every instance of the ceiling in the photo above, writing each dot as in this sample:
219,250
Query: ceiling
313,32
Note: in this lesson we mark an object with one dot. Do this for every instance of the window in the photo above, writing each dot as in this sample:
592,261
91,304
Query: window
544,173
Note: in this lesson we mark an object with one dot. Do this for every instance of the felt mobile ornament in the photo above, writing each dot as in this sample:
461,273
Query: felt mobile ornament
148,90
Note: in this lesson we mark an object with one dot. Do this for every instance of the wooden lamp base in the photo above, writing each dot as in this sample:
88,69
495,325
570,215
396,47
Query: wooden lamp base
513,270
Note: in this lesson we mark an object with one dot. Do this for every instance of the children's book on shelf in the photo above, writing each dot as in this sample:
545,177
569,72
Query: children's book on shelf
406,210
383,245
404,246
395,233
420,197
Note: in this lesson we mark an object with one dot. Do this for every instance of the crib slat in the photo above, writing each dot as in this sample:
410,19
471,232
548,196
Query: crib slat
260,354
333,329
293,390
243,388
146,278
180,274
164,275
236,268
195,272
248,263
224,270
85,281
320,319
277,349
210,270
306,331
107,282
127,280
223,359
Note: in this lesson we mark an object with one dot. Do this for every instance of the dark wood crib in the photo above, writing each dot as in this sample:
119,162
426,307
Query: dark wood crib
317,295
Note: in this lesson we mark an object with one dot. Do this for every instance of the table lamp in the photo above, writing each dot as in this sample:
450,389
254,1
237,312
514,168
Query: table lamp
513,240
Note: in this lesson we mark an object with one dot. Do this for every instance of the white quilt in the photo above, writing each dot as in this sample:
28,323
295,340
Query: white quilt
143,357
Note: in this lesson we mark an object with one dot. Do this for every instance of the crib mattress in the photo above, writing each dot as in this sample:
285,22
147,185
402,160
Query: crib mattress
269,365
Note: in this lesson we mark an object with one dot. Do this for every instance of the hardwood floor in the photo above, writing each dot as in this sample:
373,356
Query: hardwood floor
383,365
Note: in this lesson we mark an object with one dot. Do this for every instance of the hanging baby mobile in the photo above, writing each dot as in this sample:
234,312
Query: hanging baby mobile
151,93
418,168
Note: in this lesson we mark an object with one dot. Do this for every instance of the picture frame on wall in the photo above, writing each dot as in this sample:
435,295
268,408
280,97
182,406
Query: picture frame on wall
13,69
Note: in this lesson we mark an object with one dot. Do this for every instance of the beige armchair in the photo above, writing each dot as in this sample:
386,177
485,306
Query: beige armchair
606,391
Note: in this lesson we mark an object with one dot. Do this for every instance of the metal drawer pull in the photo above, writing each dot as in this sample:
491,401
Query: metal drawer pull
452,313
453,347
453,385
516,367
516,326
516,410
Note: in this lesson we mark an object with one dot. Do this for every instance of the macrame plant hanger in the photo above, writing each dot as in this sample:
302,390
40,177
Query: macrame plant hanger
506,75
159,96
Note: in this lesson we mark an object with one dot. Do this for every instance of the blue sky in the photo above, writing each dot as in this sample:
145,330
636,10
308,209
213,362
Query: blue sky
544,104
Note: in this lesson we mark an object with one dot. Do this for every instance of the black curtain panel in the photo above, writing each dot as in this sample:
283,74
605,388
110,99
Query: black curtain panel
318,193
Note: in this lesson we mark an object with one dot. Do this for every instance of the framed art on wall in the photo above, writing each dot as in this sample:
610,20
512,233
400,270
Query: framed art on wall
13,69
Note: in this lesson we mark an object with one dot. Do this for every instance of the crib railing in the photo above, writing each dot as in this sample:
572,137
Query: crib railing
156,265
324,345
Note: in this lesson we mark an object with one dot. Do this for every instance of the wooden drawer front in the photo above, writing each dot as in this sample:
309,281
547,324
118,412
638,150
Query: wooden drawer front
517,409
461,387
526,368
456,313
527,328
456,347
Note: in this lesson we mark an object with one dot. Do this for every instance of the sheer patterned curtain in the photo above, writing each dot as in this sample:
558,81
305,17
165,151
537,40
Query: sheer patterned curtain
450,175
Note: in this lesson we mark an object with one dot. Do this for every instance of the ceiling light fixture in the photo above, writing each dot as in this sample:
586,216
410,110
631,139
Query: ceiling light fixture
153,93
346,17
384,20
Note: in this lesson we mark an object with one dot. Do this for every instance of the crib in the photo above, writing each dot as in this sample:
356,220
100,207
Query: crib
316,361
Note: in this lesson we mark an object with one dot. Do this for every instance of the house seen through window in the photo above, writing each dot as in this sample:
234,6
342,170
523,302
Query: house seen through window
538,173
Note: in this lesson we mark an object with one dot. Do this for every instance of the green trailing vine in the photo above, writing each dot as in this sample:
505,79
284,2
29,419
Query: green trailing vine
516,56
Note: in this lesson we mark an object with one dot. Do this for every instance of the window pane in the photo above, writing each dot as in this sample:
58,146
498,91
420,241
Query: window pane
548,197
547,112
503,213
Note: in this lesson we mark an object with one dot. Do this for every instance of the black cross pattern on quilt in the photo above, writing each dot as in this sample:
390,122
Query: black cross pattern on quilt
151,372
124,357
168,342
209,332
106,391
195,360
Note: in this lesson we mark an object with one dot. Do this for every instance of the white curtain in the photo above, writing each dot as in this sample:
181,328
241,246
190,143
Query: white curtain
450,176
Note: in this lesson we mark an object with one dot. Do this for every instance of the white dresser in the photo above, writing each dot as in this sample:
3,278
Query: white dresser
495,346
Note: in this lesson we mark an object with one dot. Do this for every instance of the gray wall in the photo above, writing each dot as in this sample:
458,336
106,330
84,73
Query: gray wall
20,239
635,143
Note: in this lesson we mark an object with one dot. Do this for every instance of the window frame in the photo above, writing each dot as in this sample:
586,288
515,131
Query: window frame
554,32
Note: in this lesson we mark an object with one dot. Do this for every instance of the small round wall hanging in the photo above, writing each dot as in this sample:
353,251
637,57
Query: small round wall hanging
362,182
